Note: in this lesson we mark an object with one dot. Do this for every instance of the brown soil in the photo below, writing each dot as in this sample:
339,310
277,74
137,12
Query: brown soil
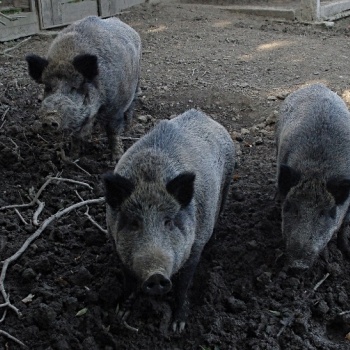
237,69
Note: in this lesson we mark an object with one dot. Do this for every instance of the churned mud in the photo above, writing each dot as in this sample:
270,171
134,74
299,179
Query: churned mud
238,69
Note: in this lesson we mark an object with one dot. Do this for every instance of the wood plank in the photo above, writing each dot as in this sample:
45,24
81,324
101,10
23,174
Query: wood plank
331,9
19,28
55,13
112,7
74,11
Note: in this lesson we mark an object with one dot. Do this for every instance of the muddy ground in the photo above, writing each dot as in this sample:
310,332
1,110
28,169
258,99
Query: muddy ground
238,69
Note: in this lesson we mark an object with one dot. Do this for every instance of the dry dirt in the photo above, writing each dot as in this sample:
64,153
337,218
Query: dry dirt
238,69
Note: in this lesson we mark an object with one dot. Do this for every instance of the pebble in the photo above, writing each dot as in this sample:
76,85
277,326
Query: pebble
235,305
259,141
28,274
144,118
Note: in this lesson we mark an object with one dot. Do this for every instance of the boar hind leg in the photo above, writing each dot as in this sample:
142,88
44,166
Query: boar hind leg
181,285
129,113
75,147
343,240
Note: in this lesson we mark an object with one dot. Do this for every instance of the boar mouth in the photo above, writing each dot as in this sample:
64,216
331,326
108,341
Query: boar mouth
156,283
299,265
59,112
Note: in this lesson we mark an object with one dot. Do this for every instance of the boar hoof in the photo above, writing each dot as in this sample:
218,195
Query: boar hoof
123,310
156,284
178,326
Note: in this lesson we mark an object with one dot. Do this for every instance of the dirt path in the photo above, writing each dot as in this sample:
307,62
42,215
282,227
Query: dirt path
238,69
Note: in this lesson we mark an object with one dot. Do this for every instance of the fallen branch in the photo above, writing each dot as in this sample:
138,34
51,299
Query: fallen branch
37,213
94,222
72,181
16,46
13,338
80,168
33,237
36,197
130,138
320,282
90,218
21,217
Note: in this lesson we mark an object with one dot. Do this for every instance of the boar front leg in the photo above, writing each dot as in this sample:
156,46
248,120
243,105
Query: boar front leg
115,143
343,238
181,286
75,147
130,294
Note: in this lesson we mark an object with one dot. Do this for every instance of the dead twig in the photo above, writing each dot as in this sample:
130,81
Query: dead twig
4,114
37,212
344,313
4,314
317,285
21,217
130,328
80,168
36,197
72,181
90,217
16,46
130,138
94,222
5,334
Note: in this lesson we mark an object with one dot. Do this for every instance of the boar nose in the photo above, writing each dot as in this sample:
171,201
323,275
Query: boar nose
49,120
156,284
297,267
50,124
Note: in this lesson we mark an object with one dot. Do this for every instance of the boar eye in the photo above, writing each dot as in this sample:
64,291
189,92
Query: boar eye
169,223
134,225
290,208
47,89
333,212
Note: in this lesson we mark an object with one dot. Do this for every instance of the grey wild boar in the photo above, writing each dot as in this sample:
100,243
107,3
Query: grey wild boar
313,171
91,72
163,200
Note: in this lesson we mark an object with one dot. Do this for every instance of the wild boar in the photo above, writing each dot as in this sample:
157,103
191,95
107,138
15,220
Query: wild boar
313,171
91,72
163,200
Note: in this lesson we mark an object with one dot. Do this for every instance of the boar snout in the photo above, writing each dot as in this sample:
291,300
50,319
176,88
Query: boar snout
299,259
51,121
298,266
156,284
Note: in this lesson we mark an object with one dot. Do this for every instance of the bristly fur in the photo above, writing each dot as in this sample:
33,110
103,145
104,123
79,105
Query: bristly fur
313,170
181,172
91,71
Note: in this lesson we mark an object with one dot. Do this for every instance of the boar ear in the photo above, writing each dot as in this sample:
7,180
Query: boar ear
36,66
339,188
86,65
117,189
182,188
288,177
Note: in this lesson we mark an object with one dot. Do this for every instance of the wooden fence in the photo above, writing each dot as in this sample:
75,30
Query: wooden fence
19,18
